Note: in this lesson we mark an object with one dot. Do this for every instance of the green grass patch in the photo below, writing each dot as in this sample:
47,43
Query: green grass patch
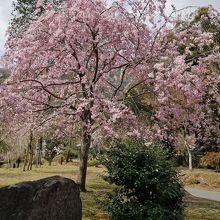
201,209
196,209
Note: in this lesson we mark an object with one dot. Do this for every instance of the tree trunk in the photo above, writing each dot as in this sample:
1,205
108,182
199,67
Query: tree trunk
68,156
9,163
31,158
87,121
29,153
188,149
190,158
84,152
26,158
61,161
38,152
50,162
18,162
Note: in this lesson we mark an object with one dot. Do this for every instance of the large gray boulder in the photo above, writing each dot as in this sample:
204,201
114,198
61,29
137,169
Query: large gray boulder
52,198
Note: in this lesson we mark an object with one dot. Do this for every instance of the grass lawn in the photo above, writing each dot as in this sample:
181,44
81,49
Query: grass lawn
201,178
200,209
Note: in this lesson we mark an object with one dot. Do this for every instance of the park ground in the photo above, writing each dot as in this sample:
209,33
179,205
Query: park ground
196,208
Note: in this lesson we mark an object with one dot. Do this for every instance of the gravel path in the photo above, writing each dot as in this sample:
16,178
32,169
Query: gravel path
212,195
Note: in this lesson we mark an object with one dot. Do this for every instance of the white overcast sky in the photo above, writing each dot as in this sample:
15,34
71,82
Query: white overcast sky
6,8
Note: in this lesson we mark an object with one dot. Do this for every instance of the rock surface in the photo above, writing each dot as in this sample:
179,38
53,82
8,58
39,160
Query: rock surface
52,198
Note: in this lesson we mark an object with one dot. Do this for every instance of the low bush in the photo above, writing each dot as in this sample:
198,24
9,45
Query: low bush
211,160
93,163
147,186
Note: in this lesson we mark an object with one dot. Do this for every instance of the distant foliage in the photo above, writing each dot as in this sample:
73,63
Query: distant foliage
95,66
70,152
147,184
24,12
3,75
211,160
51,150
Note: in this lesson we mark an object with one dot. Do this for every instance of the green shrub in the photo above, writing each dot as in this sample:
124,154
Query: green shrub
211,160
93,163
147,184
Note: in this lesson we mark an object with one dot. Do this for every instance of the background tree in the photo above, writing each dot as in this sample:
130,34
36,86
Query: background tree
186,93
52,148
29,153
24,12
39,149
73,63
